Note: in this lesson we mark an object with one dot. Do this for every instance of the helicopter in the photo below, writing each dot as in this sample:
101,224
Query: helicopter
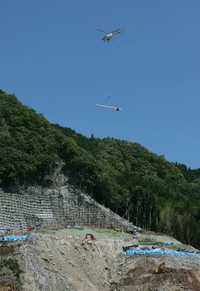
108,36
114,108
109,106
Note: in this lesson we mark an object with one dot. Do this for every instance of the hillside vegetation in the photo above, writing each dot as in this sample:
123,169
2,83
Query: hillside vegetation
134,182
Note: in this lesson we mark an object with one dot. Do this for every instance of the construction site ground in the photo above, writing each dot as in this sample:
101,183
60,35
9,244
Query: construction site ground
63,260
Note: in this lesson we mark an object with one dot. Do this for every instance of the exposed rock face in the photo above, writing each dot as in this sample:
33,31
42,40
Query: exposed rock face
63,205
61,262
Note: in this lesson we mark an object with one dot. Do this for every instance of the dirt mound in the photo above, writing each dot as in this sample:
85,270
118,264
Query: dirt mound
8,286
148,275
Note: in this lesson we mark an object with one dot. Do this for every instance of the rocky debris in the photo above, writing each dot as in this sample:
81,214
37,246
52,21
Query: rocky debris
63,262
152,274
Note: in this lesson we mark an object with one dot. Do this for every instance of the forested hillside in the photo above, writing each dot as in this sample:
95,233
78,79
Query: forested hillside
134,182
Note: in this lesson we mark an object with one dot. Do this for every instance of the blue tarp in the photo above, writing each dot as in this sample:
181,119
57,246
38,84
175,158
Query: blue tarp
15,237
168,243
160,252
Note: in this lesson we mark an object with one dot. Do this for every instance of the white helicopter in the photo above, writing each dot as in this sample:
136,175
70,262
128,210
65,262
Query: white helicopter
108,36
114,108
106,106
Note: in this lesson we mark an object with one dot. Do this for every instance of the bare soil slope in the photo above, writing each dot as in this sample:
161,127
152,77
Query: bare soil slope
61,261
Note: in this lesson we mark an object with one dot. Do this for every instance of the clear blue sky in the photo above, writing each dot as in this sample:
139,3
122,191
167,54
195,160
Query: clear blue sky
53,59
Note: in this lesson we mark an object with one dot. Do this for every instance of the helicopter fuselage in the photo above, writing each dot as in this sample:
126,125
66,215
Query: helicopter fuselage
107,37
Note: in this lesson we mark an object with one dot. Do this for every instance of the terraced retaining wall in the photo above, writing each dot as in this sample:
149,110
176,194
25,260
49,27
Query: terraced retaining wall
64,205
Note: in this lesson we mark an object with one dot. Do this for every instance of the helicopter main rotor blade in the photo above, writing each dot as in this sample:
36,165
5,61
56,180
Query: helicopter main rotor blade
100,30
117,31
